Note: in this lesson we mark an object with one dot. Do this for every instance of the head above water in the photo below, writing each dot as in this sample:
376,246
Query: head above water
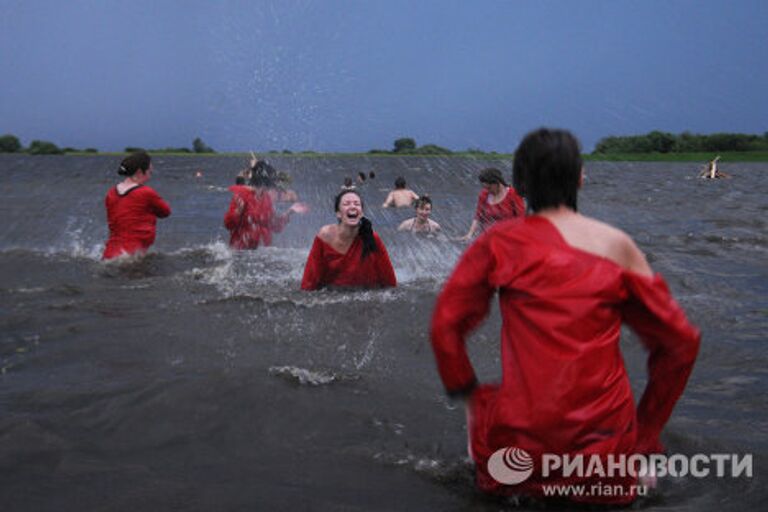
340,196
492,176
400,182
547,169
135,162
261,177
365,231
422,201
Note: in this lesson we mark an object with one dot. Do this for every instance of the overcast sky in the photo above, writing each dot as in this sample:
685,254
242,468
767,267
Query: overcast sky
354,75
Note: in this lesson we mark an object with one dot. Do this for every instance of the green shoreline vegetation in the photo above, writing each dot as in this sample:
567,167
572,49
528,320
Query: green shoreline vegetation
654,147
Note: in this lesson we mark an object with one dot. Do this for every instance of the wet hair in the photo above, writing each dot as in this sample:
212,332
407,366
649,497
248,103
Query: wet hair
366,228
138,161
422,201
261,177
491,176
371,174
240,180
547,168
400,182
347,182
263,168
361,175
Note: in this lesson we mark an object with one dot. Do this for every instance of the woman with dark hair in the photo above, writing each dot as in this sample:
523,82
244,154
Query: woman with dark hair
566,284
497,201
401,197
133,208
251,218
348,253
421,223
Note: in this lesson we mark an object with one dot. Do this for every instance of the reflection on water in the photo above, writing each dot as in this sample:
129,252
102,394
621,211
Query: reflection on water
198,378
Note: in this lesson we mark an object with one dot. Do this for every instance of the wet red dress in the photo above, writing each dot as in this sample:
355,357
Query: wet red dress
564,387
251,219
510,207
132,218
327,267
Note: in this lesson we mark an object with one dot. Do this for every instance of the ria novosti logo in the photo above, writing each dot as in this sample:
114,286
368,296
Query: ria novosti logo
510,466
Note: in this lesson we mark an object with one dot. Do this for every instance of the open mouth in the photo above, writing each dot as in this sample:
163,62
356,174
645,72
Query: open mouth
353,215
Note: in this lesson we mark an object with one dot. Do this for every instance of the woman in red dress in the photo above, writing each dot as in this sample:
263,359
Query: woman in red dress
349,253
133,208
251,218
566,284
497,201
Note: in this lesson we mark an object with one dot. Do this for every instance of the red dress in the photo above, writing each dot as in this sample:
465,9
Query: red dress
251,219
326,266
510,207
564,387
132,218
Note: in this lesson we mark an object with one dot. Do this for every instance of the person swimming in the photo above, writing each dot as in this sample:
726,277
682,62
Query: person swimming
348,184
400,197
421,223
348,253
566,283
711,171
281,192
133,208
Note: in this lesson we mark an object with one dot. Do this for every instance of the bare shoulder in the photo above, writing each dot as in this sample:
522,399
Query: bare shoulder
405,225
619,247
327,233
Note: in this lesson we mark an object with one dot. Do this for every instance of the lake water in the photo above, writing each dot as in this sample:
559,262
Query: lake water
203,379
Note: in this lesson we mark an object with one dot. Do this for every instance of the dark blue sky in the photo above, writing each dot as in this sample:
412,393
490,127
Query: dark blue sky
354,75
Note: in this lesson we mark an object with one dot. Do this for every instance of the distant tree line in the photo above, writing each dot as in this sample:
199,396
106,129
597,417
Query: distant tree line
407,146
11,144
198,146
686,142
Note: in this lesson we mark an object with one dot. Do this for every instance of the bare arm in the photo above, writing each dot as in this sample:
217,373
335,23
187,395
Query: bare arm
472,230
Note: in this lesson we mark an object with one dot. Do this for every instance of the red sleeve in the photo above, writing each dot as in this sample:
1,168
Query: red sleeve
461,306
232,219
518,202
159,207
314,268
385,273
673,344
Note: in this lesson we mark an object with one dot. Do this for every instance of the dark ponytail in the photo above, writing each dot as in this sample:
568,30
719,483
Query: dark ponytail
138,161
366,235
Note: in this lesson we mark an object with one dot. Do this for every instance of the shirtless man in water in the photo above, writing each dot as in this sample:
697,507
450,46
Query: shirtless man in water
401,197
